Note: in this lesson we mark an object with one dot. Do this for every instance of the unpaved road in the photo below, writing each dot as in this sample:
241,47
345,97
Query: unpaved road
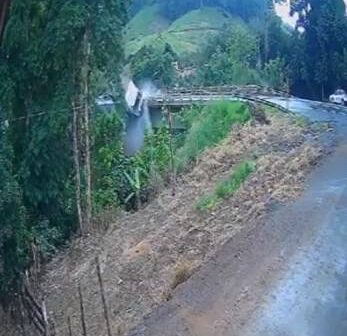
287,276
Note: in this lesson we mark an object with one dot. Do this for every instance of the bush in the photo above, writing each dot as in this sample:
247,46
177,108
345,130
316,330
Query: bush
209,128
120,180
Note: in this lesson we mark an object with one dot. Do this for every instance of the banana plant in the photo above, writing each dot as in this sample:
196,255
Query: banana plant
135,185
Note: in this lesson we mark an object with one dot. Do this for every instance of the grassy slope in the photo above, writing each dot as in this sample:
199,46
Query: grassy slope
186,35
209,128
146,22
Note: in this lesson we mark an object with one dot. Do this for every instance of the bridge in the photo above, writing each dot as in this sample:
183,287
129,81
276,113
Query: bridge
147,110
180,97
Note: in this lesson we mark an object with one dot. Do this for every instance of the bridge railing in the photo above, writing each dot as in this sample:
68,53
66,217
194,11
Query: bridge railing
186,96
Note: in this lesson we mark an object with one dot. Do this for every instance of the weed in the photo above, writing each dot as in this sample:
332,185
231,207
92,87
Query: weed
213,124
300,121
227,186
207,202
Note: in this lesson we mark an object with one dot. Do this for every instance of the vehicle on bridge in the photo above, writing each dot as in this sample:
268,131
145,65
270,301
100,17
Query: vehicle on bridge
339,97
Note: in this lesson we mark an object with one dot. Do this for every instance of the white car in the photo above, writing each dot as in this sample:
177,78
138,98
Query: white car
339,97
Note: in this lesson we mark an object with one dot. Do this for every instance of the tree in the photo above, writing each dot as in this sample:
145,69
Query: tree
155,63
231,58
13,232
55,55
325,36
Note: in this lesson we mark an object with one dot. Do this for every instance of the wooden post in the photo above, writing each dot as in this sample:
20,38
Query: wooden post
103,299
22,314
45,318
69,325
83,322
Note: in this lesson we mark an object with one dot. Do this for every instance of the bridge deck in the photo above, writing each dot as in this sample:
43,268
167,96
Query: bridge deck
184,97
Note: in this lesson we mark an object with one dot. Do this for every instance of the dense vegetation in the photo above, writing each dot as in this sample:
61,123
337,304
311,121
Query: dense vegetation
207,127
62,161
55,58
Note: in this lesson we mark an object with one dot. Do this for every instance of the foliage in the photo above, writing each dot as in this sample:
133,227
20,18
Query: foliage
121,180
109,161
42,61
230,59
226,187
155,64
13,232
321,61
275,73
214,123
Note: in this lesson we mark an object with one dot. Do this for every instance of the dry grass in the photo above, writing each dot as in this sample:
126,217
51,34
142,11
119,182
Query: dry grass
183,271
139,252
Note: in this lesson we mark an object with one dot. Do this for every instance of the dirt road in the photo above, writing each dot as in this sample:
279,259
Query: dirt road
287,276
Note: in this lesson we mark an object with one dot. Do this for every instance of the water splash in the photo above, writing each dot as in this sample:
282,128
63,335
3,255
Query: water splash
137,126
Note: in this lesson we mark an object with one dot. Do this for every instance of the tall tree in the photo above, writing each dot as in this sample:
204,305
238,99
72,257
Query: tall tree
324,26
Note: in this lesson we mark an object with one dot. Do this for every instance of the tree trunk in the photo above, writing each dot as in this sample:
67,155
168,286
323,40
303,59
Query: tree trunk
77,165
266,42
4,5
86,83
268,13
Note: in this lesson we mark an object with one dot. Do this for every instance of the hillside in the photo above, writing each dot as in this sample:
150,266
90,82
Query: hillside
145,255
146,22
186,35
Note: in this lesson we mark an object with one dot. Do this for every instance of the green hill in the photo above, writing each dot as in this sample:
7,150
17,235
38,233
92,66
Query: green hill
186,35
146,22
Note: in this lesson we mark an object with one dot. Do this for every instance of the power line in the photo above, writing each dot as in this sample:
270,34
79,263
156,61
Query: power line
38,114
